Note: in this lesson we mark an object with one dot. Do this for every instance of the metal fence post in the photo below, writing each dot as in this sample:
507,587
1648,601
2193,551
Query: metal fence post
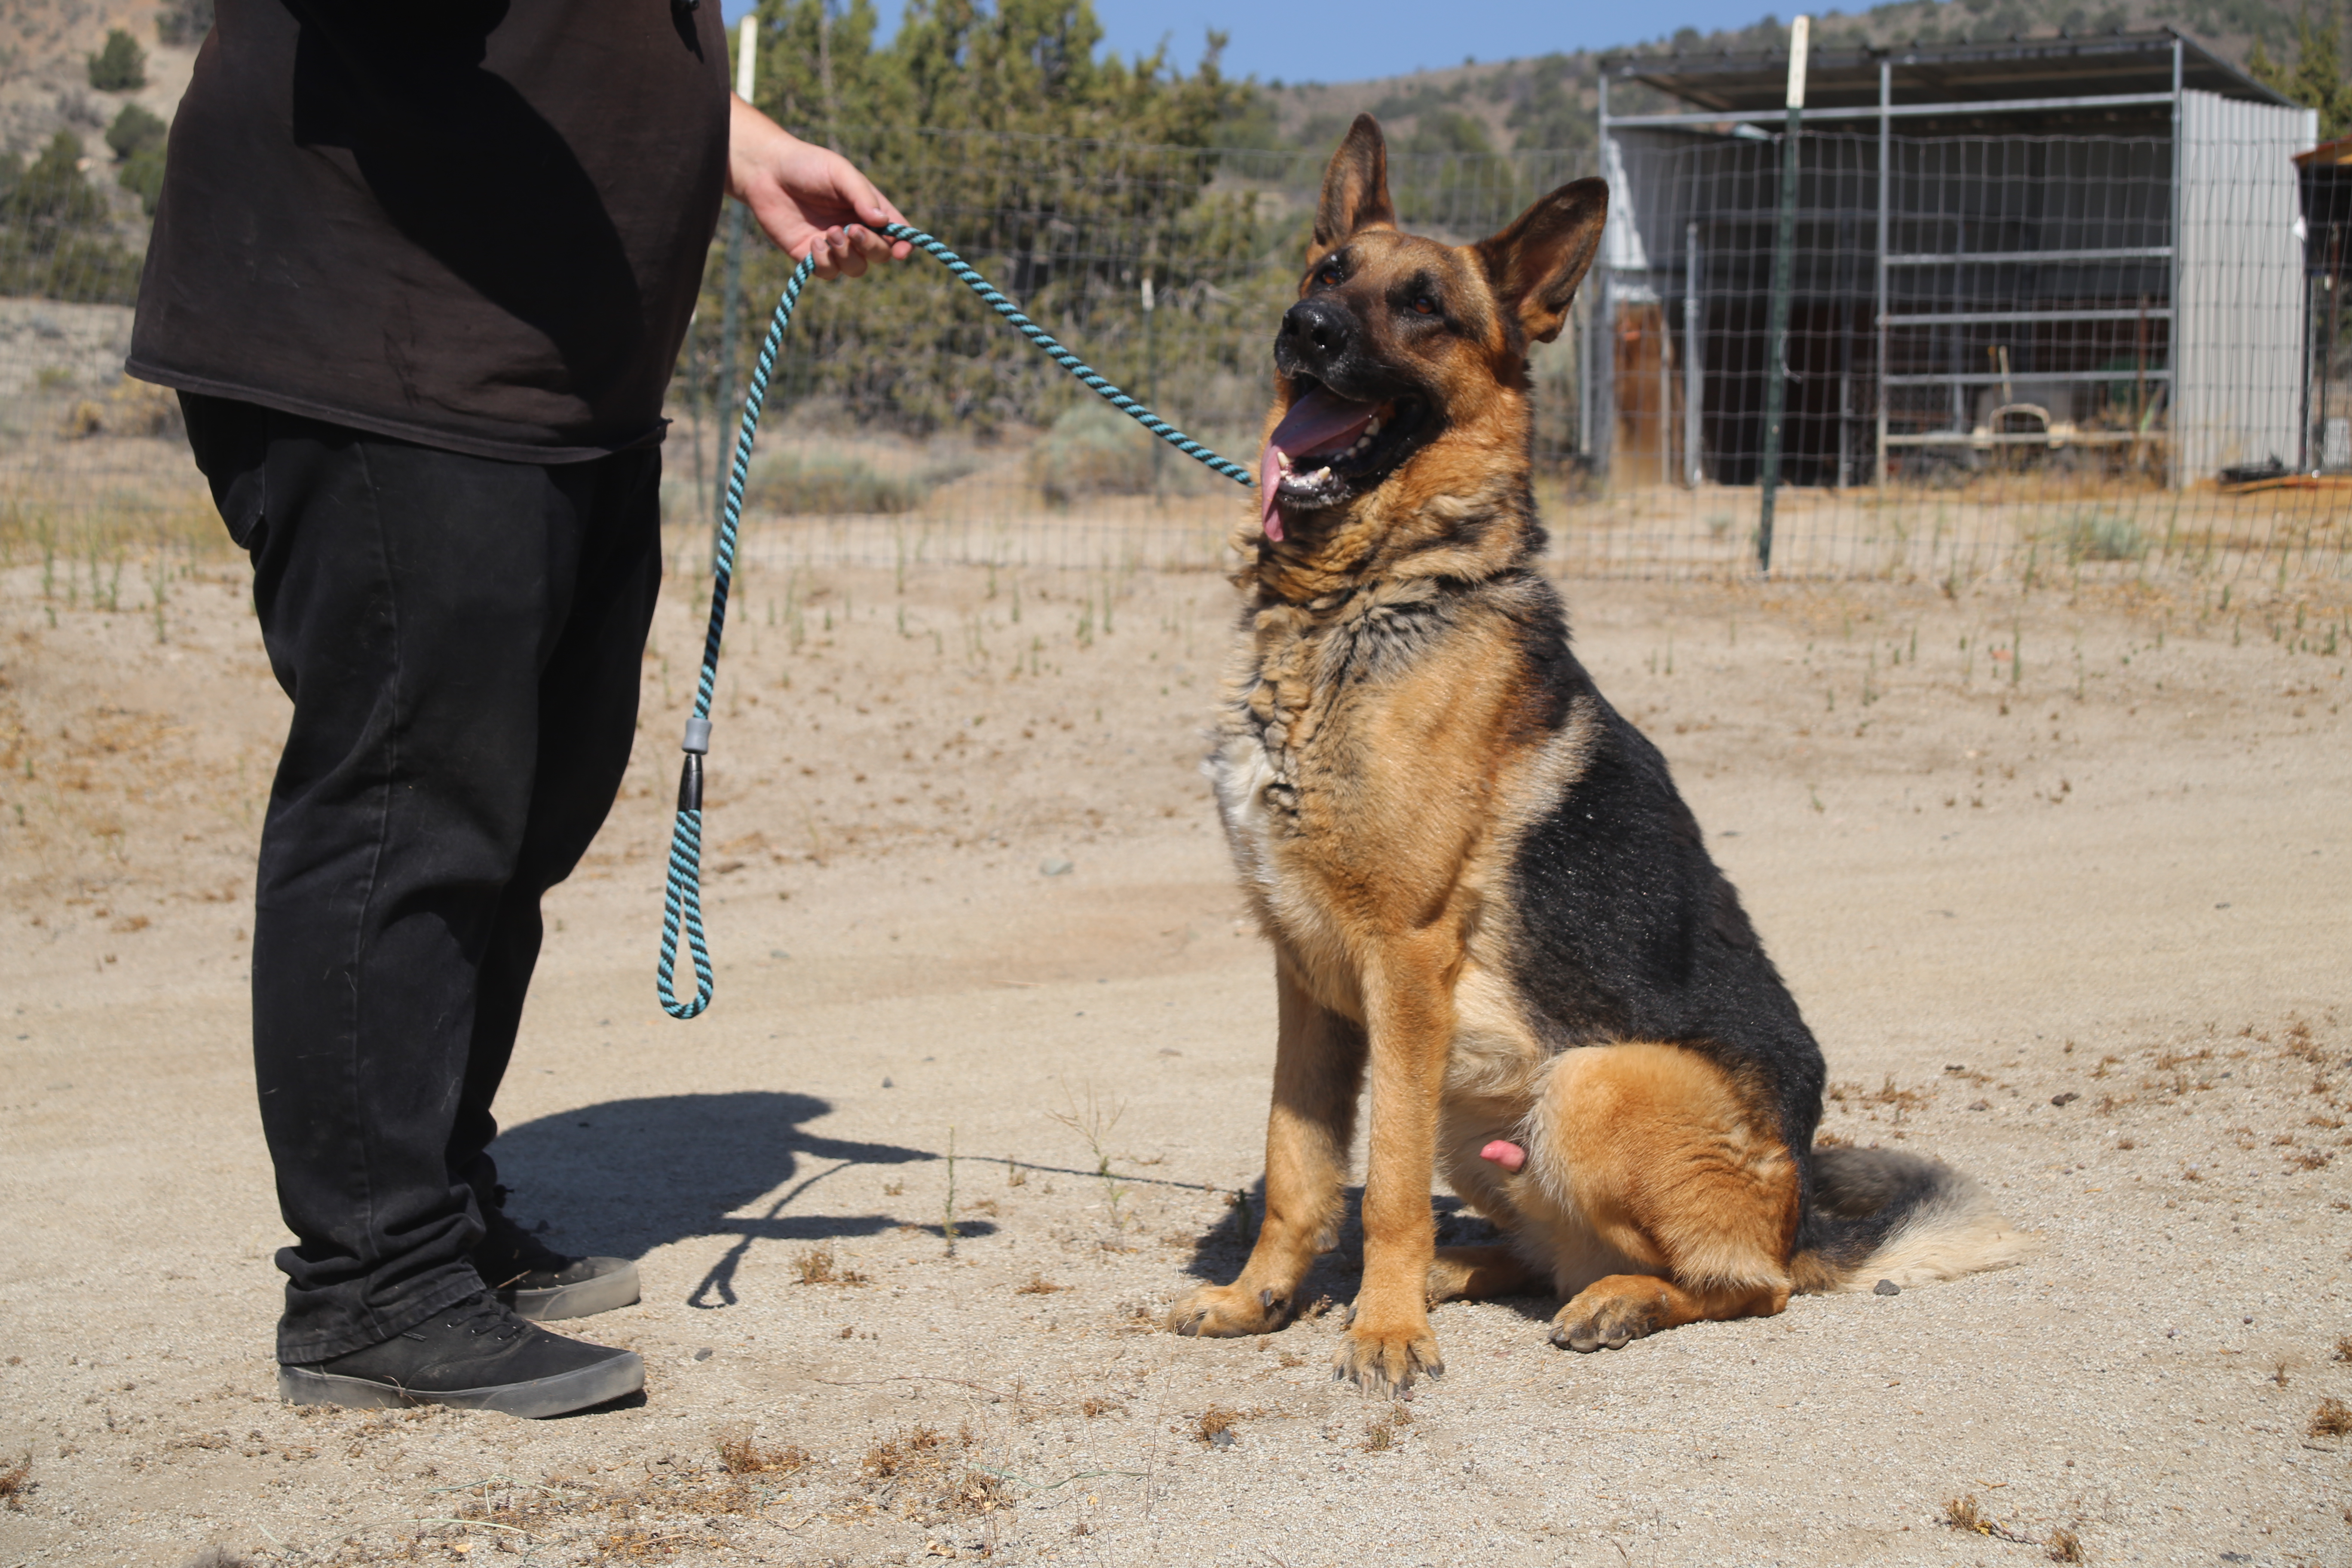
1784,244
1693,388
1886,180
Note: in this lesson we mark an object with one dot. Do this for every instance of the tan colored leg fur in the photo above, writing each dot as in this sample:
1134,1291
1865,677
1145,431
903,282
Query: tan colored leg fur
1651,1151
1319,1071
1608,1312
1480,1274
1409,1027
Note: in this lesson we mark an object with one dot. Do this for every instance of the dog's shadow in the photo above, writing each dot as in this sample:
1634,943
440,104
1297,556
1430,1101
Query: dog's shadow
1219,1252
626,1176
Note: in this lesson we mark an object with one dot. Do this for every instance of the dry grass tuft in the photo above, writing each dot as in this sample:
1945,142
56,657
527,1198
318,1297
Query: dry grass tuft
1217,1420
928,1478
1094,1404
741,1455
15,1483
1040,1286
2065,1546
2332,1419
1386,1431
818,1267
1962,1513
2343,1347
215,1555
916,1448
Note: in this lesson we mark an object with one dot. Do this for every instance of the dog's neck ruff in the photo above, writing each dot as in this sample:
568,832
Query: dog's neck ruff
1322,566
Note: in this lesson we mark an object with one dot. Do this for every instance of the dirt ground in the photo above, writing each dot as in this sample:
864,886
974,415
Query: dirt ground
2061,881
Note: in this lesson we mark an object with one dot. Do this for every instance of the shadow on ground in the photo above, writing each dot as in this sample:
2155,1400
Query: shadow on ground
1219,1252
627,1176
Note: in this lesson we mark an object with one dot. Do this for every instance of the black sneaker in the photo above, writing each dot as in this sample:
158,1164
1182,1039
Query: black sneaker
475,1355
541,1283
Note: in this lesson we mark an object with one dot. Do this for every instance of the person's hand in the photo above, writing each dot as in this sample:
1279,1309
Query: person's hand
811,201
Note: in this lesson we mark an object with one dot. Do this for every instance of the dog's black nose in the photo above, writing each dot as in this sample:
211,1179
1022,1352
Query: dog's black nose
1317,329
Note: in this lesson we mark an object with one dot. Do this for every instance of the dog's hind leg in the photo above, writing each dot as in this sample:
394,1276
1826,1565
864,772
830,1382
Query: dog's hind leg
1687,1191
1319,1073
1608,1312
1481,1273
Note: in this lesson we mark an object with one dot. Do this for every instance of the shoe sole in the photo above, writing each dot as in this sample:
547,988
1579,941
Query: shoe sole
558,1395
584,1298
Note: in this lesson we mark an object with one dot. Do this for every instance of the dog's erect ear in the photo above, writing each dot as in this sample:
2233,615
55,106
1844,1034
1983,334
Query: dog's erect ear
1355,190
1534,265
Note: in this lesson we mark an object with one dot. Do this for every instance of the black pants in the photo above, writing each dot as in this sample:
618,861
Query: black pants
461,638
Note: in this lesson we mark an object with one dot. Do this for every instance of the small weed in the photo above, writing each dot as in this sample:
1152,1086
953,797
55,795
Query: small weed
1290,1359
2065,1546
2332,1419
1015,1177
741,1455
15,1483
2343,1347
1039,1286
1094,1404
2278,1373
1094,1121
948,1214
892,1189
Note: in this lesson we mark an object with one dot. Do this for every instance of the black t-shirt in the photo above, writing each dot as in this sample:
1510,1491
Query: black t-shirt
476,224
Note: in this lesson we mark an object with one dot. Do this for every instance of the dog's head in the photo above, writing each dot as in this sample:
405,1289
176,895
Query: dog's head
1401,374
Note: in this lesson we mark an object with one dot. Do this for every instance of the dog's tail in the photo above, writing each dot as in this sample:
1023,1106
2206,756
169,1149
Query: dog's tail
1879,1214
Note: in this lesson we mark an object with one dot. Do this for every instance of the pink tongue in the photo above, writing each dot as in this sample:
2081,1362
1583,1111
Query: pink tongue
1315,422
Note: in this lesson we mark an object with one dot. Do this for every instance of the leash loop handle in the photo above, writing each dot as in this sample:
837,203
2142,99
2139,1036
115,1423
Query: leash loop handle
682,892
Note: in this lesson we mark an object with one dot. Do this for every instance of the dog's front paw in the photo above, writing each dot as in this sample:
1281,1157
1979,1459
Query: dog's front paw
1385,1360
1222,1311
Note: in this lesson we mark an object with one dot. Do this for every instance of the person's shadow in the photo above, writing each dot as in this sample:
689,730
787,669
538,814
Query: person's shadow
629,1176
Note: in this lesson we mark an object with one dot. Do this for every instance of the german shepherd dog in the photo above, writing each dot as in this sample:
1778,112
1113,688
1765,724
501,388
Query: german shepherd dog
1481,886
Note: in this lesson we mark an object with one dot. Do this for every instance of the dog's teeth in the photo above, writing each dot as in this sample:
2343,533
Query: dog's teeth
1284,458
1372,430
1318,475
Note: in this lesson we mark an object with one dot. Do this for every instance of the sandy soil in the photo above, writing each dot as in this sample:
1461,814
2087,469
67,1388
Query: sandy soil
2081,928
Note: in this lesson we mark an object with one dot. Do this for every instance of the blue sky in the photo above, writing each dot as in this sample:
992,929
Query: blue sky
1383,37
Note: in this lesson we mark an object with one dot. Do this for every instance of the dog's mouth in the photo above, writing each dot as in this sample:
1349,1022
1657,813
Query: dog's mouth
1329,449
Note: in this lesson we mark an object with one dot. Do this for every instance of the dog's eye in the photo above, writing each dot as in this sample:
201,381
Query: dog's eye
1423,305
1328,274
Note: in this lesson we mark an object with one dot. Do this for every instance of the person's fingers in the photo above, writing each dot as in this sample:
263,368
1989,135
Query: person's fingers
822,255
871,247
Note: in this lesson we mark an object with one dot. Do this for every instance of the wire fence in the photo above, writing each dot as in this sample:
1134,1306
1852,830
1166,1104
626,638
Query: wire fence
2094,354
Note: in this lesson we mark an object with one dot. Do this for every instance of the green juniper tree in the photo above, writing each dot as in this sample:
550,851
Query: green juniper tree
2316,80
121,66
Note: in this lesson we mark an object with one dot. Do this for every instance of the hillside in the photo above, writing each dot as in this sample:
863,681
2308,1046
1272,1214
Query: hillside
1548,101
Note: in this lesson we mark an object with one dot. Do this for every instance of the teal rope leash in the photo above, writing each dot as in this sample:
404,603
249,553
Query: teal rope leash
682,894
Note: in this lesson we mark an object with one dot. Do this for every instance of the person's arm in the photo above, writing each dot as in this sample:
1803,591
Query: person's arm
811,201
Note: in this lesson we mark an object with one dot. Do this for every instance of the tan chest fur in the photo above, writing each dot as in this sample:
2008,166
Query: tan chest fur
1375,768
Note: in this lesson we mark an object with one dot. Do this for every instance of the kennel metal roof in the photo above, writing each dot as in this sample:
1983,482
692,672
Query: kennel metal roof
2114,70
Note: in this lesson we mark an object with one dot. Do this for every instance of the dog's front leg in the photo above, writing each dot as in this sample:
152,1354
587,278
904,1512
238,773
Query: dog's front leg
1319,1071
1410,1016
